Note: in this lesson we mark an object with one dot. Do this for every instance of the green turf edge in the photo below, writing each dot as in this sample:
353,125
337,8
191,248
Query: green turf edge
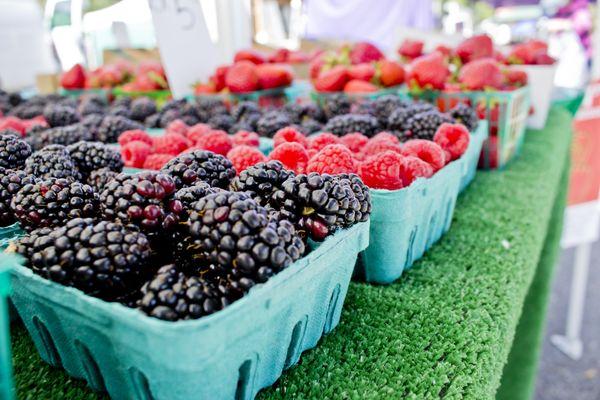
520,371
445,329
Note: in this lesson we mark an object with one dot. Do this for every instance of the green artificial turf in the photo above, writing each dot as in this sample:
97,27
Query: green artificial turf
445,329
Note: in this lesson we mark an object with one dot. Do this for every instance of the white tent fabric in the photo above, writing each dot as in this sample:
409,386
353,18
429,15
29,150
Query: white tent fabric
374,21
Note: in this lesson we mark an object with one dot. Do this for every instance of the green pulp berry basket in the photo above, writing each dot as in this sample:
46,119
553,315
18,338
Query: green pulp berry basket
405,223
6,386
159,96
76,93
231,354
505,112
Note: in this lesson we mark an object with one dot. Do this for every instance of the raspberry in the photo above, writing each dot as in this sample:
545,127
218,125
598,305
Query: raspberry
13,123
246,138
156,161
333,159
171,143
427,151
354,141
412,168
376,146
289,134
312,153
244,156
216,141
453,138
292,155
318,142
134,153
195,132
382,171
387,136
134,135
177,126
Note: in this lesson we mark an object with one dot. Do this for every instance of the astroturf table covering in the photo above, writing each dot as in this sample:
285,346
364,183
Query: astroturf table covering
445,329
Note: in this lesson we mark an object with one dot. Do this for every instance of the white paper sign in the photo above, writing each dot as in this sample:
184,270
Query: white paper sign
187,52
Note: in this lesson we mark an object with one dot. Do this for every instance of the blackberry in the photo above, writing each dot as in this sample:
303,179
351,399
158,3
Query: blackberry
173,104
104,259
142,108
152,121
465,115
89,156
311,126
51,202
271,122
57,115
359,212
207,107
172,295
168,116
27,110
222,122
200,165
89,107
384,106
350,123
397,120
13,151
121,111
123,101
113,125
98,178
320,204
63,135
424,125
141,199
231,234
241,126
11,181
191,194
261,180
51,163
336,104
244,110
92,122
300,112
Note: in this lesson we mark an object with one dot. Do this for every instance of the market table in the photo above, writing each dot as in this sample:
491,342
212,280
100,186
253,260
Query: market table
447,327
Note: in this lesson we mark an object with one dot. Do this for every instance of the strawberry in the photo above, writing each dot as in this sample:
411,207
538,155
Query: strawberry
110,76
364,72
205,88
297,57
481,74
428,72
273,75
544,59
316,65
251,55
278,56
411,48
363,52
332,80
391,73
520,54
242,77
218,78
74,78
444,50
515,77
358,86
475,47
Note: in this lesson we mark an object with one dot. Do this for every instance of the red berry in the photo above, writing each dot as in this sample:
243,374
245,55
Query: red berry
13,123
292,155
426,150
412,168
244,156
177,126
242,77
170,144
134,153
134,135
354,141
332,159
387,136
246,138
156,161
195,132
379,146
289,134
321,140
453,138
216,141
382,171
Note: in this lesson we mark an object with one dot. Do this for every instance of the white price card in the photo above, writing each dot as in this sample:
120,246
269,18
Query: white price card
186,49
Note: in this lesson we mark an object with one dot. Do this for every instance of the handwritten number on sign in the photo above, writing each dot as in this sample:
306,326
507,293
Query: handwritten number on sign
184,11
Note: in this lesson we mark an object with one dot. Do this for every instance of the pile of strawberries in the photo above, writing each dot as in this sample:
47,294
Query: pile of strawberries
140,150
361,68
145,77
473,65
250,71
